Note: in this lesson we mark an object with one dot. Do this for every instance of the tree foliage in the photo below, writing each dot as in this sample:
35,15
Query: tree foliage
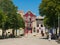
3,18
9,18
51,10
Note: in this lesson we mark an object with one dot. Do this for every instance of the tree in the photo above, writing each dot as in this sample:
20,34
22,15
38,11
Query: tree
11,12
51,10
3,19
20,23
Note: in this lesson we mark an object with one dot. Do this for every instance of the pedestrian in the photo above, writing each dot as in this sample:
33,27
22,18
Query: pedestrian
49,36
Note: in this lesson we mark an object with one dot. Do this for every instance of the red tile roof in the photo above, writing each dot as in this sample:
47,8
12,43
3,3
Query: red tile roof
29,13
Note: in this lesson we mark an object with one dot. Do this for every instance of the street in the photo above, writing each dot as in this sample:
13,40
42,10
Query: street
28,40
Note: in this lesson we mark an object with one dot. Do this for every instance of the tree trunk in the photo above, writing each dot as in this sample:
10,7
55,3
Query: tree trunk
13,33
16,32
3,34
56,31
3,31
59,30
56,34
59,26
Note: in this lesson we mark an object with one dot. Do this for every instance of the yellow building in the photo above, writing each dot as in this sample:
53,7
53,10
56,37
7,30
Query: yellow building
21,13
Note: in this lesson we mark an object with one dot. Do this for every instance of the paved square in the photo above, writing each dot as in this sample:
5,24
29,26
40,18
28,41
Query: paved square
29,40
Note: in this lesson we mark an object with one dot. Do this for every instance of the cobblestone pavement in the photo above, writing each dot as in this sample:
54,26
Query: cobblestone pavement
28,40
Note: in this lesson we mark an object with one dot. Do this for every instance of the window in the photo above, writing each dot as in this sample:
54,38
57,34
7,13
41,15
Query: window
29,24
37,25
29,19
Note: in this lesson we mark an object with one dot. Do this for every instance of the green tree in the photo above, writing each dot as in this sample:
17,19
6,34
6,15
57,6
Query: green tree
11,11
3,19
20,23
51,10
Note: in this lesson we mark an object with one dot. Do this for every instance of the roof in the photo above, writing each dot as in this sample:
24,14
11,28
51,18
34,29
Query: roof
40,17
29,13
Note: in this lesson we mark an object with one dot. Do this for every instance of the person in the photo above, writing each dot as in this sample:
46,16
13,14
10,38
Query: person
49,36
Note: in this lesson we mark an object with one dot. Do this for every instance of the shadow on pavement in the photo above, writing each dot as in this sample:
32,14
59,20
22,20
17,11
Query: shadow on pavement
42,38
58,42
52,39
47,38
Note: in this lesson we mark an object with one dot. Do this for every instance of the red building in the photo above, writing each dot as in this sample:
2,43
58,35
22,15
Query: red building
29,18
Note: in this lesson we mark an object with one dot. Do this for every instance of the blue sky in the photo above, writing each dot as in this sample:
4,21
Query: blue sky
28,5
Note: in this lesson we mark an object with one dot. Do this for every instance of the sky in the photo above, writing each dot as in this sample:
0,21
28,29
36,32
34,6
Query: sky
28,5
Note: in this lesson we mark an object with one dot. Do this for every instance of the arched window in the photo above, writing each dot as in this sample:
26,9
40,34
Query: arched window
41,25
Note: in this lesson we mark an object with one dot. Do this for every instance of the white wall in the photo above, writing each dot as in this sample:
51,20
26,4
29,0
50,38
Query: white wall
0,32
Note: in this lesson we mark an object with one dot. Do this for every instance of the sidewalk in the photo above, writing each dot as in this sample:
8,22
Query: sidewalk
28,40
41,39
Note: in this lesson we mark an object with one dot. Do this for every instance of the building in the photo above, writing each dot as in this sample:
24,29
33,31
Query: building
39,22
32,22
21,13
29,19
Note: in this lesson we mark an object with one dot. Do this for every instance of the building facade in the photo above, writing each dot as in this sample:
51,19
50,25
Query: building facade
40,24
21,13
29,18
32,22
